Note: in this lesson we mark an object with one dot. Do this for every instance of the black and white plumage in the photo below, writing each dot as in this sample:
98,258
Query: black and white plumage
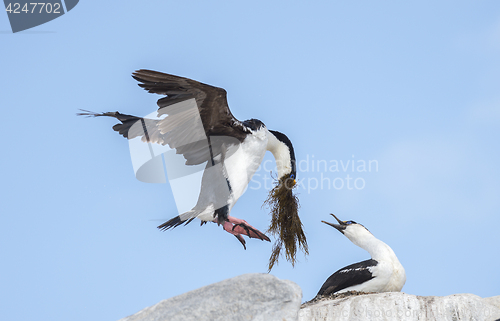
209,133
382,273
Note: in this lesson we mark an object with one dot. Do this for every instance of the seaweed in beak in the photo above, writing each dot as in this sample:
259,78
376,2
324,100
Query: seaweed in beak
285,222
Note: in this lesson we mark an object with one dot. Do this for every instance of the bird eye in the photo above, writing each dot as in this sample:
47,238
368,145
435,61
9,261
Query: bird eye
292,176
348,222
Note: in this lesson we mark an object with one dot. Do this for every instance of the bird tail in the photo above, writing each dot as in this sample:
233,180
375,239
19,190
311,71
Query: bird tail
184,218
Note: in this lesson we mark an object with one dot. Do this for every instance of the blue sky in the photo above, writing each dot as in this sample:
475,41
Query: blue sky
410,85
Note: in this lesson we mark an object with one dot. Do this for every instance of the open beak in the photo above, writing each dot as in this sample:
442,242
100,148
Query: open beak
340,227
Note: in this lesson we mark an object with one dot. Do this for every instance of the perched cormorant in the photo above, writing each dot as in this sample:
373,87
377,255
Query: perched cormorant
381,273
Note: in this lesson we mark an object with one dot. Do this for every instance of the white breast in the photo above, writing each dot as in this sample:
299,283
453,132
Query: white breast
240,163
244,162
397,279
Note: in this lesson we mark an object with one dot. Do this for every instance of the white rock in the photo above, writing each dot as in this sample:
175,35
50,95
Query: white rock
494,300
259,297
402,306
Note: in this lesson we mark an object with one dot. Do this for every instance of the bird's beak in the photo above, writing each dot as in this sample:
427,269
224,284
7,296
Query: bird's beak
340,227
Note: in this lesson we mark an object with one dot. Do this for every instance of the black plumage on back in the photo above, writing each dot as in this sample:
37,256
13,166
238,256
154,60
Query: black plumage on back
350,275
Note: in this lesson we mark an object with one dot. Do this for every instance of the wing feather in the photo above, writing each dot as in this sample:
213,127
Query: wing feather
181,129
348,276
198,132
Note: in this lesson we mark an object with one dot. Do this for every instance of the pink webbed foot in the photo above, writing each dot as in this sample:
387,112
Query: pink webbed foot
238,226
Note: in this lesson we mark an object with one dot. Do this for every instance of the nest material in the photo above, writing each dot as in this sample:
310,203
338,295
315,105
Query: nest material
333,296
285,222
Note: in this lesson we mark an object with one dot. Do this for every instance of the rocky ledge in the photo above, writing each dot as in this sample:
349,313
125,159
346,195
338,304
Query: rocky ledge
267,298
402,306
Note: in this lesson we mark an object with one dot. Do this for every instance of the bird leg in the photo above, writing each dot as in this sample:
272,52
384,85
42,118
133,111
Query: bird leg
238,226
228,227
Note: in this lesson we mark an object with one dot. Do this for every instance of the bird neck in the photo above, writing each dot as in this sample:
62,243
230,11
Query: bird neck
281,154
377,249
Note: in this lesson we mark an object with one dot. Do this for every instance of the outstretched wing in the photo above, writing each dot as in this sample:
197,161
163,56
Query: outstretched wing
199,131
348,276
212,103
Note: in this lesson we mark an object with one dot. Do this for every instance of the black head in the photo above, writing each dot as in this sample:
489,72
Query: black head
254,124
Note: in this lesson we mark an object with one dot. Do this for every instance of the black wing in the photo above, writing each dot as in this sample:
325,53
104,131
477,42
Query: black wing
185,129
212,101
350,275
